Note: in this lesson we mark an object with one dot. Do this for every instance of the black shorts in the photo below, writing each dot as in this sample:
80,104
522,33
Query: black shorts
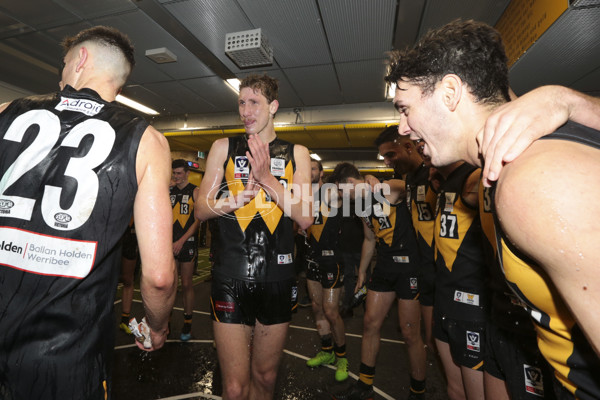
328,273
465,338
188,252
427,284
516,359
130,246
399,277
236,301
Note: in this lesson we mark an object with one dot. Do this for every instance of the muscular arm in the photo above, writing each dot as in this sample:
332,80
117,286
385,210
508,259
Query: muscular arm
154,228
396,191
512,127
556,229
366,255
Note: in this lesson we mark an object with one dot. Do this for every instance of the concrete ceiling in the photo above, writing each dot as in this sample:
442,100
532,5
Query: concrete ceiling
327,54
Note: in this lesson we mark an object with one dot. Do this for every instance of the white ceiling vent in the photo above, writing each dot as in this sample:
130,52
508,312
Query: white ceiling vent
248,48
161,55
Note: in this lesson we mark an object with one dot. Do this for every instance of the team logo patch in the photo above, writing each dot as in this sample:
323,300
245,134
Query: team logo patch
83,106
242,167
473,341
421,193
534,382
449,204
284,259
466,298
401,259
225,306
277,166
329,276
413,283
327,253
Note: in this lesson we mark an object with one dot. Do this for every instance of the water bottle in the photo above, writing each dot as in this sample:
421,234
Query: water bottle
359,296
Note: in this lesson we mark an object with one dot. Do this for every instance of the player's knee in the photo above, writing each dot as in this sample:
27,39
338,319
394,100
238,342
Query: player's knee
411,333
236,390
265,378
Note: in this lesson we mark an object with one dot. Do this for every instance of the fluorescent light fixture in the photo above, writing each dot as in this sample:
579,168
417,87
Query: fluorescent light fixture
379,157
234,84
135,105
315,156
390,90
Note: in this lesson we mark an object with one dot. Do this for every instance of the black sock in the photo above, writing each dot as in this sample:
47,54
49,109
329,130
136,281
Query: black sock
125,318
417,386
327,343
340,351
366,376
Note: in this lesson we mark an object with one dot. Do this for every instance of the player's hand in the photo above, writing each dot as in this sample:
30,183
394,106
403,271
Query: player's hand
259,158
512,127
361,277
158,340
373,182
177,246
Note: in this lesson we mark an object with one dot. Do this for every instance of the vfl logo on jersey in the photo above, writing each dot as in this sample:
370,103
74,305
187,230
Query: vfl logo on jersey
284,259
421,193
242,167
473,341
277,166
83,106
534,382
466,298
173,199
449,205
6,205
401,259
413,284
329,276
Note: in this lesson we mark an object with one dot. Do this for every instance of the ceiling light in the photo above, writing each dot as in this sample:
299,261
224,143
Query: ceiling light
248,48
161,55
315,156
135,105
390,90
234,84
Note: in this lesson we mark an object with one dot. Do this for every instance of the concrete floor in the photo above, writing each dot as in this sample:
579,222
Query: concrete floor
190,370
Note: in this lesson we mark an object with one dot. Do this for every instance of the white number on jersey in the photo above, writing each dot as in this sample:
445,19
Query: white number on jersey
78,168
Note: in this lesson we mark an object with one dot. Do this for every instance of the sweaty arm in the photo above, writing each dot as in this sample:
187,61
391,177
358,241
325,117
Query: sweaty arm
366,255
154,229
297,203
512,127
555,228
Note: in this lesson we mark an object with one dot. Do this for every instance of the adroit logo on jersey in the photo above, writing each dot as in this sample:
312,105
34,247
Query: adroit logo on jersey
87,107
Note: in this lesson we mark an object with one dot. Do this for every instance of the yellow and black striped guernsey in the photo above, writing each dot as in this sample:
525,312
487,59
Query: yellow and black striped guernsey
255,242
560,339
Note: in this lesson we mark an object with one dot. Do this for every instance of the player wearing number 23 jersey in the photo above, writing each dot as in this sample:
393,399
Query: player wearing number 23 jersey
67,187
